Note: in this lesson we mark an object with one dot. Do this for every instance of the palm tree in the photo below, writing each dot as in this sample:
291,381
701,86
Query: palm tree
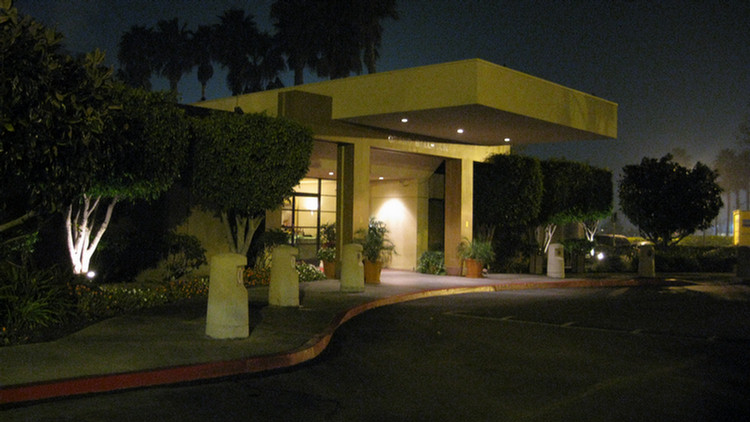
372,12
298,24
202,42
136,56
173,57
248,55
339,38
729,167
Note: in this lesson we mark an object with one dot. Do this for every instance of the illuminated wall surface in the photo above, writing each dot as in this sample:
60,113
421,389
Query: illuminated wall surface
742,228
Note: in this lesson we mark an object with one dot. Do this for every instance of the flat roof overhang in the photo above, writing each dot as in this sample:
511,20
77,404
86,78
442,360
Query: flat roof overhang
469,101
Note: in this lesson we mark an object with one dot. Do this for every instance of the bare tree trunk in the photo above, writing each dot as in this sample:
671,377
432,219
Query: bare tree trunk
81,246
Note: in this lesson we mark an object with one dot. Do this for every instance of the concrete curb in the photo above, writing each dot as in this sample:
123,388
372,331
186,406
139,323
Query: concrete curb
311,349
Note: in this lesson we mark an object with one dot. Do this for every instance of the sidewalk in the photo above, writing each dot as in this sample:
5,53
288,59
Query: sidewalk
168,345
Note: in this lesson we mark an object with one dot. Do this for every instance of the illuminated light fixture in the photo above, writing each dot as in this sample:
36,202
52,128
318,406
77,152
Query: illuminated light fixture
381,178
460,131
432,145
507,139
404,120
330,173
90,275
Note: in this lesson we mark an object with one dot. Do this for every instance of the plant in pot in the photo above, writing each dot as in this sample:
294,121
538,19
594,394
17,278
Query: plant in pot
476,254
376,249
327,251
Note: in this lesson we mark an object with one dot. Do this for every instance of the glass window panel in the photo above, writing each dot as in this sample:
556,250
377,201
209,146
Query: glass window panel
327,217
307,186
328,187
328,203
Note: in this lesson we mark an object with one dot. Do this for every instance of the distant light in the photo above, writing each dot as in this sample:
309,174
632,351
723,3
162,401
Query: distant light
330,173
404,120
507,139
600,256
460,131
90,275
432,145
381,178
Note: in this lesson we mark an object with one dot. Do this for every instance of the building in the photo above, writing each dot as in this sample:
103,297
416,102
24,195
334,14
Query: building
400,146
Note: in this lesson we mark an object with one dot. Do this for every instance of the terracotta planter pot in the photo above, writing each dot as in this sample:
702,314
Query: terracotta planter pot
372,272
474,268
329,269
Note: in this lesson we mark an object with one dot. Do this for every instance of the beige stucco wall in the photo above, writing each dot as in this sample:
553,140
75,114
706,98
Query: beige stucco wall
402,206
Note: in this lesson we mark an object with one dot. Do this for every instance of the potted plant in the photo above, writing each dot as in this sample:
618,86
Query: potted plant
376,249
476,254
327,252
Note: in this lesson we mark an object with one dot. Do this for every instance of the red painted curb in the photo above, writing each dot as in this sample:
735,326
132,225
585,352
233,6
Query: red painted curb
310,350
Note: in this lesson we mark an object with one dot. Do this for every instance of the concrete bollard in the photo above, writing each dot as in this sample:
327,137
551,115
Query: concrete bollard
352,270
227,310
284,287
555,261
743,262
646,262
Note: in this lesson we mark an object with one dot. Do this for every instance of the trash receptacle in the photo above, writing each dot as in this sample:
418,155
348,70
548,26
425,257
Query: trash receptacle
352,269
555,261
284,286
646,265
227,309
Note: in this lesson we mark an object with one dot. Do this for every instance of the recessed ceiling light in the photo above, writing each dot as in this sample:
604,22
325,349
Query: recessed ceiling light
381,178
330,173
404,120
507,139
460,131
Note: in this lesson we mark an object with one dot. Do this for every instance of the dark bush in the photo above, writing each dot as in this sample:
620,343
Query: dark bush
696,259
431,262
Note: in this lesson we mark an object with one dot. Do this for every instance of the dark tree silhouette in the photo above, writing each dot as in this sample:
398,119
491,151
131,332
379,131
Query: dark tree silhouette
135,54
202,43
172,56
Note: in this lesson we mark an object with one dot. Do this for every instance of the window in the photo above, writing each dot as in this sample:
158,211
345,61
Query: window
312,205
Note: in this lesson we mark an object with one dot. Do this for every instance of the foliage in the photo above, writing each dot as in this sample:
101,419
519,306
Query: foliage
52,114
431,262
147,145
308,272
31,299
695,259
328,235
326,254
246,164
108,301
375,244
507,190
185,254
477,249
578,246
668,202
713,241
248,54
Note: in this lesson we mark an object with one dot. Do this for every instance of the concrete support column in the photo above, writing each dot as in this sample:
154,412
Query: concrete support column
459,220
352,192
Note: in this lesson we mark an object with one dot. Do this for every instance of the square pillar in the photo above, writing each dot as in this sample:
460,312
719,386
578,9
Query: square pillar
352,192
459,220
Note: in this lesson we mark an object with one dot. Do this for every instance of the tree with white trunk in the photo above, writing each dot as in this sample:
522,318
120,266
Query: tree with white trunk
147,138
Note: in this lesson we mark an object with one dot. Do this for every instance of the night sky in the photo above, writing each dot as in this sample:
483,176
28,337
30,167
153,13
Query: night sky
679,70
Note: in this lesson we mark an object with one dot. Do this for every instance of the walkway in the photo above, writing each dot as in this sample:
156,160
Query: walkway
168,345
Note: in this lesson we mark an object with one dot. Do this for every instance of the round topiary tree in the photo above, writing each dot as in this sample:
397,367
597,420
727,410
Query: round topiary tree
245,164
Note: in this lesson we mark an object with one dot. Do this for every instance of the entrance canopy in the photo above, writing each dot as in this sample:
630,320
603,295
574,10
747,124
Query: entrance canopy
468,102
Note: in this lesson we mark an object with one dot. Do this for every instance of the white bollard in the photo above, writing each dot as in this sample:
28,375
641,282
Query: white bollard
227,311
646,264
555,261
352,270
284,287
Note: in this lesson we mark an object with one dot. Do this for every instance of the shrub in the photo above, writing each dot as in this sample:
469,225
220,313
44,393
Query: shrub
431,262
32,298
185,254
309,272
695,259
326,254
